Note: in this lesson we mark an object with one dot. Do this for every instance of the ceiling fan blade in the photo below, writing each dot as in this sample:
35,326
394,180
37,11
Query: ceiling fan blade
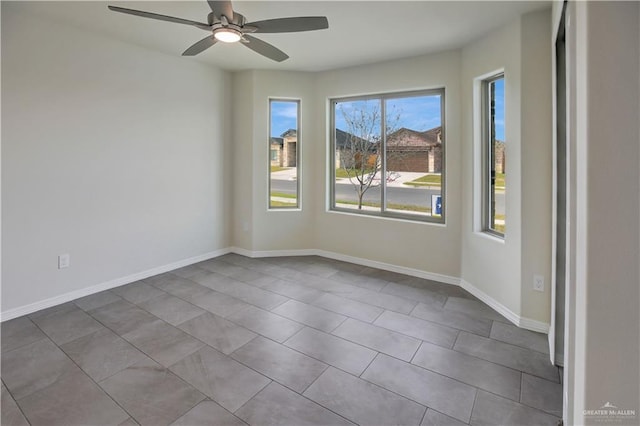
264,48
200,46
160,17
290,25
221,8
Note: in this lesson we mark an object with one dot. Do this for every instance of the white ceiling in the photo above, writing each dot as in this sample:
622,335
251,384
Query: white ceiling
360,32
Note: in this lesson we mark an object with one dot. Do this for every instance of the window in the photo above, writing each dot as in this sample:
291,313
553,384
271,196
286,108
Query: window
494,156
388,155
284,154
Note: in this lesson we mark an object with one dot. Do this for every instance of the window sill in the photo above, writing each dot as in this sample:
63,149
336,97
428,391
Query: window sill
491,237
417,221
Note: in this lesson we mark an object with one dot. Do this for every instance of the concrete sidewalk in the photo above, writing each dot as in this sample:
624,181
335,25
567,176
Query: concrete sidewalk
290,174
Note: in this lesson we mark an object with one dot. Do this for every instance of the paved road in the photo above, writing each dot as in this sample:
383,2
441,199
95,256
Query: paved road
401,195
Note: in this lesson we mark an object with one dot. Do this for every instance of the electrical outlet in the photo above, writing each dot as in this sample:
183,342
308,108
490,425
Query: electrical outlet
64,260
538,283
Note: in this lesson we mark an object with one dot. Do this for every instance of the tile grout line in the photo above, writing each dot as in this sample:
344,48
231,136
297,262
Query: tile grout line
374,349
316,379
379,315
424,415
366,381
296,272
81,369
422,341
473,406
16,401
44,336
416,352
398,394
481,359
494,362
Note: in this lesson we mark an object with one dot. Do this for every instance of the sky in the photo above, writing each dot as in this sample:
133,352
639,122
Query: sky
284,116
418,113
500,109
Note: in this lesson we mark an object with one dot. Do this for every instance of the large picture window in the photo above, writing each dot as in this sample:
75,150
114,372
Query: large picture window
284,154
494,161
388,155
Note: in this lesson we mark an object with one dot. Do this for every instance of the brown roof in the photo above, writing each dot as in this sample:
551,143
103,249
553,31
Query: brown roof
411,138
343,139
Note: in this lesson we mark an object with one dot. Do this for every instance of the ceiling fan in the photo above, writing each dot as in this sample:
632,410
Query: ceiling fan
229,26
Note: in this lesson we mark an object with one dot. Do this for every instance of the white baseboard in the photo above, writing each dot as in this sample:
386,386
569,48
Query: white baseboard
534,325
351,259
87,291
392,268
272,253
522,322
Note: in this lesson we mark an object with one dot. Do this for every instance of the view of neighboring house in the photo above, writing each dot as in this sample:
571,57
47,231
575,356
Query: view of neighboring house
501,158
283,150
412,151
407,150
349,149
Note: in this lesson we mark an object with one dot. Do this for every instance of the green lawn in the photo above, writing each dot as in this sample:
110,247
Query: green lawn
275,203
500,227
281,203
436,180
282,195
277,169
426,180
391,206
342,173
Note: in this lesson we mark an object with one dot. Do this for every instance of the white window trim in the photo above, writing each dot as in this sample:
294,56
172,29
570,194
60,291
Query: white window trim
480,222
299,149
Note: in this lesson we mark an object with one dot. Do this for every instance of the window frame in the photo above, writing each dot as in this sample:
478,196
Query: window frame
298,205
488,152
384,213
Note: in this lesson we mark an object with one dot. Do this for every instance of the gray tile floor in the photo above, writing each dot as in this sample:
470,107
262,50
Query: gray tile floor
278,341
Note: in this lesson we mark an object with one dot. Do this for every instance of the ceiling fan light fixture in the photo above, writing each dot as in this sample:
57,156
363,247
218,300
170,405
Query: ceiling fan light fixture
227,35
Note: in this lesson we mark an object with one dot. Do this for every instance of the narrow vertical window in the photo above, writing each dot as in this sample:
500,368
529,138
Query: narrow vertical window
495,165
284,154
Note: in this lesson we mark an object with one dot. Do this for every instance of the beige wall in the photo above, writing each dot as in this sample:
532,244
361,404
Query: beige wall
425,247
604,291
112,153
242,171
269,230
492,265
164,200
504,268
536,163
501,270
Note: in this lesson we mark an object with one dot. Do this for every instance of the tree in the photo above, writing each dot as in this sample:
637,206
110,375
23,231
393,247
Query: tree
360,147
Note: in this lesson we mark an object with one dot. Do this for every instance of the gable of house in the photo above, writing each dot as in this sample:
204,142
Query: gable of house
284,149
412,151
